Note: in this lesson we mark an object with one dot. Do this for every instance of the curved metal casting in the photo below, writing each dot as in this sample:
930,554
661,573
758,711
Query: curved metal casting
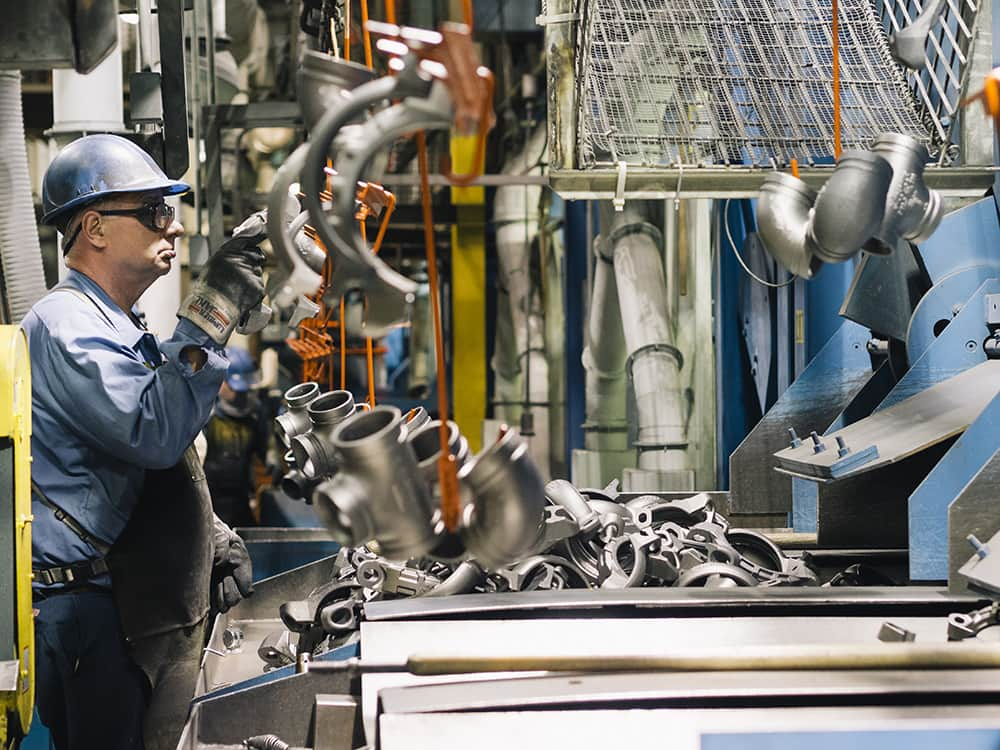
466,577
503,518
296,420
379,492
322,80
912,210
907,44
566,495
354,266
850,208
871,201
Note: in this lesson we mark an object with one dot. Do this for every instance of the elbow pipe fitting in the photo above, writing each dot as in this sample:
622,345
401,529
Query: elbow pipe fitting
849,210
912,210
783,219
567,496
295,421
872,200
314,454
378,493
503,518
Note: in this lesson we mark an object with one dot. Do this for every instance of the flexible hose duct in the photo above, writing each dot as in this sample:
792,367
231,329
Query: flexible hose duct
20,253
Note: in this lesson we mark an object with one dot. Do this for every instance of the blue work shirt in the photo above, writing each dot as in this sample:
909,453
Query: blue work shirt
108,402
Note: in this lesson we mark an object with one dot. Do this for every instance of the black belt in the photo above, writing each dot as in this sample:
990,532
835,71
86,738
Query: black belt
71,574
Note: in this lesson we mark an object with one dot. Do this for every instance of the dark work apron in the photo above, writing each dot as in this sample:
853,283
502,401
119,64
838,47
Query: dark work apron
161,568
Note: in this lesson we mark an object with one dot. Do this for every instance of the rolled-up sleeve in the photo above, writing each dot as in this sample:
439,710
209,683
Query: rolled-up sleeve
115,401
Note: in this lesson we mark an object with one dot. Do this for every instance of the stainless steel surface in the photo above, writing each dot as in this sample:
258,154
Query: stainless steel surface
698,82
888,601
694,689
8,675
896,432
734,182
396,641
687,729
256,617
336,718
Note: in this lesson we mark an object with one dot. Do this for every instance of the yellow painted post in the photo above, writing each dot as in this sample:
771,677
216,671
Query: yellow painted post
468,296
468,307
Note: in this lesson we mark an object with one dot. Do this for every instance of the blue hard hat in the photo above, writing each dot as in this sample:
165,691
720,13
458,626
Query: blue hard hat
97,166
242,374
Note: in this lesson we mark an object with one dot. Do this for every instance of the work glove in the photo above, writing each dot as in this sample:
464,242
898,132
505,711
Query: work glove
231,284
232,572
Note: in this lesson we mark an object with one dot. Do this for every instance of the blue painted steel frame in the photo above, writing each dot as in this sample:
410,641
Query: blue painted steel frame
578,239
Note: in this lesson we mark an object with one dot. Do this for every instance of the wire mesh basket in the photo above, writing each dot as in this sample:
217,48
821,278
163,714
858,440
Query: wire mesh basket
724,82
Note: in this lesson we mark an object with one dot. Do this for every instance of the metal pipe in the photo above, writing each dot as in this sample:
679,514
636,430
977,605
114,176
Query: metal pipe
604,359
782,221
912,210
653,363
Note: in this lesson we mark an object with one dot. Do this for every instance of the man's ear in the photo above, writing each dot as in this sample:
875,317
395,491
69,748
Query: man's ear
92,225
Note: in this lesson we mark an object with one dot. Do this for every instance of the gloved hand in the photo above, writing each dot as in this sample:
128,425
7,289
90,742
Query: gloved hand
232,572
231,284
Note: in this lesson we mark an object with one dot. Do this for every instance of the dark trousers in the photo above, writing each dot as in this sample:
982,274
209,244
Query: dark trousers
89,692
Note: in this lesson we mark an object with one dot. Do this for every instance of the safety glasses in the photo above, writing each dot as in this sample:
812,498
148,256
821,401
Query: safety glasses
154,216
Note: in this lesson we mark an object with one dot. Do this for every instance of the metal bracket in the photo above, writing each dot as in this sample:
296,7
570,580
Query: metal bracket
619,200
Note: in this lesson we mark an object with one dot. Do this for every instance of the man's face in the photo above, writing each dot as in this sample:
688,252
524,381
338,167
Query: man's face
138,250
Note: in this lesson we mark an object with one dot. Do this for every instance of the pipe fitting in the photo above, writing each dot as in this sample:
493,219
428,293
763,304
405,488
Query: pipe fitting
568,497
321,80
378,493
426,444
782,220
912,210
849,209
503,518
295,420
415,419
298,486
313,451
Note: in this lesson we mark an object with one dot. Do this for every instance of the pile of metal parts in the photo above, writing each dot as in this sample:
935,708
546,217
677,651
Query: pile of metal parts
371,476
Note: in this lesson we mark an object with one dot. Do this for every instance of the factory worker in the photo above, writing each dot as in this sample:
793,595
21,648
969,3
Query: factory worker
126,552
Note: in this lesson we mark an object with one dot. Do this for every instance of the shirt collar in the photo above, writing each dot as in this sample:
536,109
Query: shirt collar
131,334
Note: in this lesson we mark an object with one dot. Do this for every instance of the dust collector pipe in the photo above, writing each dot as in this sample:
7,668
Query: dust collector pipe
654,363
20,253
604,359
